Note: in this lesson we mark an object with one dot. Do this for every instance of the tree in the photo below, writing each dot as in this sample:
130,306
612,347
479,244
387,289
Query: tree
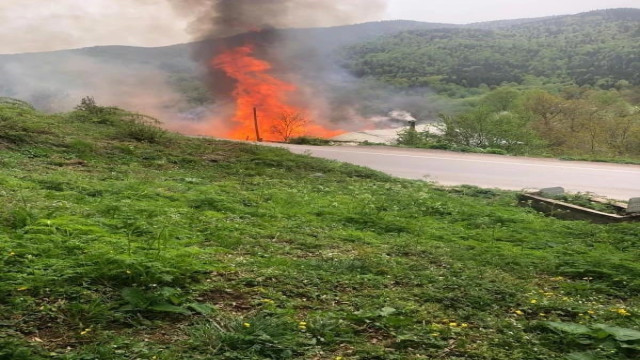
624,133
501,99
484,128
289,125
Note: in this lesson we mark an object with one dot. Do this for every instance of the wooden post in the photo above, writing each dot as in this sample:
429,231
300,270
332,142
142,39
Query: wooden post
255,121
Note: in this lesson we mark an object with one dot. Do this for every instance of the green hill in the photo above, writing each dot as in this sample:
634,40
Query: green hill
600,48
121,241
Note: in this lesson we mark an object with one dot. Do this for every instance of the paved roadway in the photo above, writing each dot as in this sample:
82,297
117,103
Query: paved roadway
615,181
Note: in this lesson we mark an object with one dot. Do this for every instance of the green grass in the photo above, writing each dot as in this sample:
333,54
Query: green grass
181,248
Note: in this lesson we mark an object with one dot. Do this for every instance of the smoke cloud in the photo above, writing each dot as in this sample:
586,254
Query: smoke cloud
40,25
56,82
231,17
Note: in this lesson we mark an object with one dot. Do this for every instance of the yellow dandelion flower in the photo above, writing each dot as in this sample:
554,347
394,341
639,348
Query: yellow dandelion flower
518,312
534,301
623,312
302,323
453,324
591,312
247,325
464,325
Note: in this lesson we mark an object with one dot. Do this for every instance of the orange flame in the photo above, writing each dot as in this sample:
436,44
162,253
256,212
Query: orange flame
256,88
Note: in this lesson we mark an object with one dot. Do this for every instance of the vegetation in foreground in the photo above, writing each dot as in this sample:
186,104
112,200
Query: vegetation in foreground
120,241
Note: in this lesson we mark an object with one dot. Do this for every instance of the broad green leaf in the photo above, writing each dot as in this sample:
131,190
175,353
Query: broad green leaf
630,346
135,297
386,311
599,334
570,328
581,356
620,334
200,308
175,300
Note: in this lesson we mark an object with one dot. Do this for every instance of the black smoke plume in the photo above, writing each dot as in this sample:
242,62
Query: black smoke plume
222,18
279,32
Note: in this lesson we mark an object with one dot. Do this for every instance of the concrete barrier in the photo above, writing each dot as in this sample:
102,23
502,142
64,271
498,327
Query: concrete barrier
566,211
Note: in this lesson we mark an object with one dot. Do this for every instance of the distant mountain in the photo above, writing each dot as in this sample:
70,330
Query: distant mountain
177,58
496,24
598,48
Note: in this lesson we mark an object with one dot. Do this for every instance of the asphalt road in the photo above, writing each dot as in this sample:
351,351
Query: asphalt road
614,181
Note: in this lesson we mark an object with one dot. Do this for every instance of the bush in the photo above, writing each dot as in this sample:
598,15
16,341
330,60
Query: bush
90,111
309,140
410,137
141,128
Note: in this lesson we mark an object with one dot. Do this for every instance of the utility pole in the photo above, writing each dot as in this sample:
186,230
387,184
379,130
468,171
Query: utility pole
255,121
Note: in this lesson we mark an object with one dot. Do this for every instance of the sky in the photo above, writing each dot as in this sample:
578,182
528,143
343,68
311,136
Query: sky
470,11
44,25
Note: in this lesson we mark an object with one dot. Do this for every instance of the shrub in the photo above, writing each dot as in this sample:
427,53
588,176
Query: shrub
309,140
141,128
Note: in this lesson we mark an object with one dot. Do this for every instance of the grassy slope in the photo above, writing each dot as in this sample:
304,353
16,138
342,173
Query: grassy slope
105,242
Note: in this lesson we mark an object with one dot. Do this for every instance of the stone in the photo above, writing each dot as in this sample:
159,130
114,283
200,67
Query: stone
634,206
551,192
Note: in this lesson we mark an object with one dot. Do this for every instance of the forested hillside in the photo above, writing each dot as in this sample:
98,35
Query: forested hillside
574,122
600,48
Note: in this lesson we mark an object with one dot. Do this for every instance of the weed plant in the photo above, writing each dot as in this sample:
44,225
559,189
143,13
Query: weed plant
126,247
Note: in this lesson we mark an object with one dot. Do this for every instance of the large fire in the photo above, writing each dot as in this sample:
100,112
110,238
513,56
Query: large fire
256,88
